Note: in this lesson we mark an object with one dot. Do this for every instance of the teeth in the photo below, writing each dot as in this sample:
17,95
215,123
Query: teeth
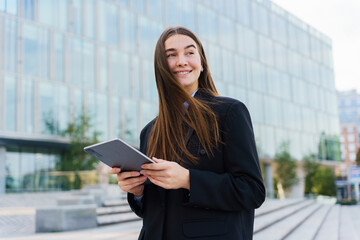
181,72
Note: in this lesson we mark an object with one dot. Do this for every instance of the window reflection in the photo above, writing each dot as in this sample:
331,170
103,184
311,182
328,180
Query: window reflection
28,7
28,105
11,45
10,103
35,51
131,128
108,22
59,57
128,28
53,13
9,6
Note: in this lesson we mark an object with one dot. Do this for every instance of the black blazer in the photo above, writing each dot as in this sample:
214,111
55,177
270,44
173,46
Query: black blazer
224,189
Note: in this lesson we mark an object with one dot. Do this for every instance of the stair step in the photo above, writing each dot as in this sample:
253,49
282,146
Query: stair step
288,223
329,230
308,228
113,210
347,224
117,218
115,202
264,221
272,205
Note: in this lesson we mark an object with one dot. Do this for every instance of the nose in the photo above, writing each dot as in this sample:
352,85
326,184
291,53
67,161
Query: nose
181,60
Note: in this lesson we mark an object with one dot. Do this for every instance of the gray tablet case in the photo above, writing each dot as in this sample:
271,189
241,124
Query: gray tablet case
117,153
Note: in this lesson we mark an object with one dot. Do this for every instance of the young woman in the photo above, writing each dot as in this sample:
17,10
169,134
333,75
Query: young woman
207,180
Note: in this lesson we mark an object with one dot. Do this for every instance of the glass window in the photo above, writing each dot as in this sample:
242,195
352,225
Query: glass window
53,13
149,110
10,103
89,66
36,51
11,45
240,71
149,85
230,8
78,103
59,57
2,38
256,106
116,118
352,147
227,36
279,28
128,28
215,62
28,105
12,168
188,16
131,124
243,9
266,51
352,156
136,77
103,68
260,18
156,10
139,6
250,44
97,108
351,137
108,23
120,73
77,16
9,6
62,107
75,61
149,33
82,63
259,77
268,140
228,66
207,21
28,8
89,18
27,170
47,119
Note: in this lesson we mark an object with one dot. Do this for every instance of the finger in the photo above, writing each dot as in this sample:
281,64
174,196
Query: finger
132,181
124,175
114,170
157,166
158,160
153,173
130,187
159,182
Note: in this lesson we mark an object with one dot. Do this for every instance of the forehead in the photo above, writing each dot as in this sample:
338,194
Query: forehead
179,41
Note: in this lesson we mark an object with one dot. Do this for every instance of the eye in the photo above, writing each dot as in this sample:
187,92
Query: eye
190,53
170,55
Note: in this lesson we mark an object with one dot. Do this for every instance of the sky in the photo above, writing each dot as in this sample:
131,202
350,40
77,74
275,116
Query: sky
339,20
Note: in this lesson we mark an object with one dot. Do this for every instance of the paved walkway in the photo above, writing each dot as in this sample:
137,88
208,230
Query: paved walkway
296,219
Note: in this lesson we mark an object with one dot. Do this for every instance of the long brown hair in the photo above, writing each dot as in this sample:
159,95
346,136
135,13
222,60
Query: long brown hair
168,136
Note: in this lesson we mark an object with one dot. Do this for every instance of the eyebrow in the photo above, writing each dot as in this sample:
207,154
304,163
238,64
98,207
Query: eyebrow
173,49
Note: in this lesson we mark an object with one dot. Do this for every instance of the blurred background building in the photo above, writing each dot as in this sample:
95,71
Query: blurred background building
62,56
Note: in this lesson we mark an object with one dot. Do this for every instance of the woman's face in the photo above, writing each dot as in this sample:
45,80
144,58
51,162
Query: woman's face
184,61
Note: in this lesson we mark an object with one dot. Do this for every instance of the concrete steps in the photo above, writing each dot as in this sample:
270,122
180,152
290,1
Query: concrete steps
306,219
115,211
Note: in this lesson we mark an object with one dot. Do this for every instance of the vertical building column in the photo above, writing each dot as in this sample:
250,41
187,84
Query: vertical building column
2,170
269,181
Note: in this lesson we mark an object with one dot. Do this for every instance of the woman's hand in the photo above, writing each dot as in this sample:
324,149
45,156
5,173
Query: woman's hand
130,182
166,174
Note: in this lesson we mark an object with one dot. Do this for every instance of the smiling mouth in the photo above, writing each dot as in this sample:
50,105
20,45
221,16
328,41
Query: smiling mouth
183,72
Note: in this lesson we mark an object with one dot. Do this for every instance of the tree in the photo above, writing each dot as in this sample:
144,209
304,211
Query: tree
358,157
285,168
74,158
310,167
324,182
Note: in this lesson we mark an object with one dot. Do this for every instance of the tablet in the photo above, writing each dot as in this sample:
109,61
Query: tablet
117,153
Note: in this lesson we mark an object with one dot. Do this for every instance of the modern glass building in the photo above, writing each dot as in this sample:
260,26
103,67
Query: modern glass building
61,56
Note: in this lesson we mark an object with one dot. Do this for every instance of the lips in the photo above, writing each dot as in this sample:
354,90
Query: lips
183,72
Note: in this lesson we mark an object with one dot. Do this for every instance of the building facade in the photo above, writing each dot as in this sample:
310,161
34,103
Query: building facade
62,56
349,113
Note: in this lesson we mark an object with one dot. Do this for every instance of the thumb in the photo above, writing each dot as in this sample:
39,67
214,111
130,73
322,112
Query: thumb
158,160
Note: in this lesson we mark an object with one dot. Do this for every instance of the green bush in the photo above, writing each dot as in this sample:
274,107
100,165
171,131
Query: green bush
323,182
